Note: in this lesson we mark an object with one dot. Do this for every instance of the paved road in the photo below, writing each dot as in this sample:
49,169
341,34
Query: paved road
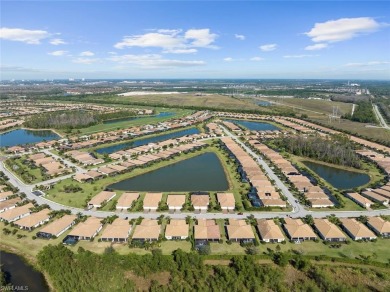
380,117
298,211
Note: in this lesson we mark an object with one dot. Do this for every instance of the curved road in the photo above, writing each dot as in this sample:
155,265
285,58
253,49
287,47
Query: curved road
298,209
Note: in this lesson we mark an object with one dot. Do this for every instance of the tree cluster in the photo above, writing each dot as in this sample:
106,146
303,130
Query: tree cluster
336,149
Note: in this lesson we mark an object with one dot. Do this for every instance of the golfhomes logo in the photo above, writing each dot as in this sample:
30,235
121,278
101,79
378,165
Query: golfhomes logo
14,288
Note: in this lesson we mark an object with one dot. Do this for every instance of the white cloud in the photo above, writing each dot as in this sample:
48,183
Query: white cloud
56,42
153,61
268,47
86,61
372,63
228,59
257,59
181,51
343,29
299,56
316,47
87,54
58,53
171,41
200,37
239,37
31,37
112,53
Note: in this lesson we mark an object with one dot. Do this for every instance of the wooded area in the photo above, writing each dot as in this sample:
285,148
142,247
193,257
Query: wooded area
73,119
363,113
336,149
87,271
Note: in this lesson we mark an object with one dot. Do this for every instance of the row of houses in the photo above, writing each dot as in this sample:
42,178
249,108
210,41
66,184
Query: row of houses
84,158
263,193
315,196
9,123
175,202
381,160
51,166
204,231
140,161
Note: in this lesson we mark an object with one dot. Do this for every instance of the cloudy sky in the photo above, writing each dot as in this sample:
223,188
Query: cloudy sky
172,39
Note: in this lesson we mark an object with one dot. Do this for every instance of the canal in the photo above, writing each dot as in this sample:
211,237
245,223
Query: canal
146,141
23,137
200,173
338,178
255,126
20,275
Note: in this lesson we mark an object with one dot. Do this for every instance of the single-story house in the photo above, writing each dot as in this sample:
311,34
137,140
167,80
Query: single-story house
34,220
5,195
9,204
269,231
356,230
100,198
177,229
200,202
118,231
151,201
328,231
175,202
296,230
239,230
148,230
226,201
379,226
88,229
360,200
207,230
126,201
57,227
16,213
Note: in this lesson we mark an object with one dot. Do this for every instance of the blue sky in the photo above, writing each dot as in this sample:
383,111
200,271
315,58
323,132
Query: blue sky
172,39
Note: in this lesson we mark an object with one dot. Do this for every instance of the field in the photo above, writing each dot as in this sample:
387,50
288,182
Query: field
319,110
214,101
311,106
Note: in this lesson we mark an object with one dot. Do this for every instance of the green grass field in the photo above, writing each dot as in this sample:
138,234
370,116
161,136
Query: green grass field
215,101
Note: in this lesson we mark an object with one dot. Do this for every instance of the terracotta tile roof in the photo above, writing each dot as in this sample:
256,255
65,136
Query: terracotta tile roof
269,230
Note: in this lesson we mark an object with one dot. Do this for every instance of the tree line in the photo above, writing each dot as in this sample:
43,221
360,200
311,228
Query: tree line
363,113
73,119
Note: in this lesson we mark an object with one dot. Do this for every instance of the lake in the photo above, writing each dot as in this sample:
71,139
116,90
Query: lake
201,173
21,275
23,137
146,141
338,178
160,115
255,126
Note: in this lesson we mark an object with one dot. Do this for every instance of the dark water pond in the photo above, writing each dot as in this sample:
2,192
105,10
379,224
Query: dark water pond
21,276
201,173
23,136
339,178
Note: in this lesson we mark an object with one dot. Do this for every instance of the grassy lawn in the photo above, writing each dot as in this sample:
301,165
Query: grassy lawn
379,250
321,106
27,172
216,101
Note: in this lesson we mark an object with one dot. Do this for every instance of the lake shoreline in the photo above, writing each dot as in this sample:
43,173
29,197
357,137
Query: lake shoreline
29,260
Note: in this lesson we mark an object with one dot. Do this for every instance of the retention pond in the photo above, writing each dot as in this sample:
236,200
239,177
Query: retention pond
338,178
200,173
